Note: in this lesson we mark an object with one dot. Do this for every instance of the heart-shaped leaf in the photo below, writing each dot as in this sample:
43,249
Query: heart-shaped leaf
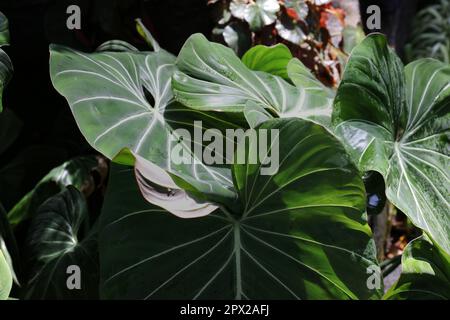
425,273
124,100
62,250
396,122
213,78
301,233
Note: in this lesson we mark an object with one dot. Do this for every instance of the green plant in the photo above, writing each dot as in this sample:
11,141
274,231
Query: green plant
5,62
395,121
278,233
430,36
6,267
226,229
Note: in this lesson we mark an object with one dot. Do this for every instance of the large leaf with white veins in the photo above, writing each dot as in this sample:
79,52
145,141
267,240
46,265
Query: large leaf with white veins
213,78
396,122
299,234
121,99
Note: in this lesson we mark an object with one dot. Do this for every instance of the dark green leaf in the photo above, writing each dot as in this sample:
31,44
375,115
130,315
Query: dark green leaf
396,122
9,246
300,234
61,236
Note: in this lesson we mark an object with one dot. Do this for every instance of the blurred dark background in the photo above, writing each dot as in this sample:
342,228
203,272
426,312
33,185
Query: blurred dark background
49,135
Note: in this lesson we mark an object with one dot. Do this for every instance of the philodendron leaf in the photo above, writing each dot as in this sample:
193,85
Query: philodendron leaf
301,233
6,70
261,13
62,250
273,60
76,172
121,100
213,78
396,122
4,30
425,273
